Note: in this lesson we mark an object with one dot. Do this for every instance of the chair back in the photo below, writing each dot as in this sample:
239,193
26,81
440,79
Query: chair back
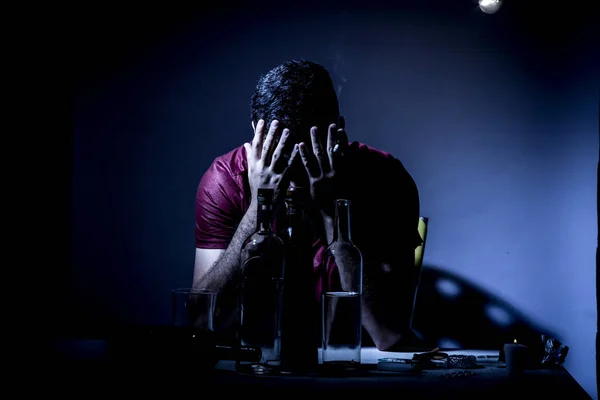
419,253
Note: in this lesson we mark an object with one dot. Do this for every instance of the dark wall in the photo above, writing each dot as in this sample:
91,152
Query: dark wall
496,117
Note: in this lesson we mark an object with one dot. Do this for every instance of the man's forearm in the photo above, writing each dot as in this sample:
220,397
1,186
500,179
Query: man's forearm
327,226
380,308
225,270
224,275
382,317
370,318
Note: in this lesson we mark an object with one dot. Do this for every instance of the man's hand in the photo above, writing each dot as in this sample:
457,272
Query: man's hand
268,161
324,166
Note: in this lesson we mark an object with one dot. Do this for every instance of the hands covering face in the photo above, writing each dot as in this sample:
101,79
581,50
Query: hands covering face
269,162
324,165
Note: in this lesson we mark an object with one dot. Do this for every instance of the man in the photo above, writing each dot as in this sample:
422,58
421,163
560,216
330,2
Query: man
297,141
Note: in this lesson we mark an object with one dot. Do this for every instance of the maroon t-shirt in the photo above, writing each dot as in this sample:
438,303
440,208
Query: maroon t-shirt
384,207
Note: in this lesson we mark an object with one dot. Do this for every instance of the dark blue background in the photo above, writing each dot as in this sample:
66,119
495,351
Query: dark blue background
496,117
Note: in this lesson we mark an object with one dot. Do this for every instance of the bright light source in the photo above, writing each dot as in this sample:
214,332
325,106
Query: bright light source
490,6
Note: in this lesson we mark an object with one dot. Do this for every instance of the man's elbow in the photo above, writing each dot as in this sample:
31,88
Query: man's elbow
386,341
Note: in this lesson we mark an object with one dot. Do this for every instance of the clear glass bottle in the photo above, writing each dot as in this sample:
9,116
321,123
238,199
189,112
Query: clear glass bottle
341,300
262,260
300,319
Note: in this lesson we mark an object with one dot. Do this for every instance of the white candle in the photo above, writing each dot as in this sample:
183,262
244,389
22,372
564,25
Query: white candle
515,355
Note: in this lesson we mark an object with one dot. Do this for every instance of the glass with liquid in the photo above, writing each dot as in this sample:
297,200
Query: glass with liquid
342,329
341,320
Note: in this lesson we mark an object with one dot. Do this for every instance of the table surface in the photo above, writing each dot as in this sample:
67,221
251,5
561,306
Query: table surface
88,367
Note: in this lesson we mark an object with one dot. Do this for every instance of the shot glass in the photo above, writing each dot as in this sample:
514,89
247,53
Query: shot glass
194,308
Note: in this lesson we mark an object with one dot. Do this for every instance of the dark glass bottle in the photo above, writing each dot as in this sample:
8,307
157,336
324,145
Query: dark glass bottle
341,302
164,346
262,260
300,319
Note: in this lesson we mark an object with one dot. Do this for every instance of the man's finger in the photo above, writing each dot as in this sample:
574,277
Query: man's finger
294,154
249,155
285,181
331,140
341,143
267,150
307,160
339,149
258,137
318,151
281,154
342,137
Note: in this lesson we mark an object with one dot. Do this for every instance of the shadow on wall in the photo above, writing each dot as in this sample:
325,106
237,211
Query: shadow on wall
451,312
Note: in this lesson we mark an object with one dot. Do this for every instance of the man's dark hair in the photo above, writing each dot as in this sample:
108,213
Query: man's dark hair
299,94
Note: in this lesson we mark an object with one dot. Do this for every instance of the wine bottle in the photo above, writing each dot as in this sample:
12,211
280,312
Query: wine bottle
168,346
262,261
300,319
341,300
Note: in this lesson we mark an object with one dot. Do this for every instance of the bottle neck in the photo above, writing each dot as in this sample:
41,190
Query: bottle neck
295,207
341,230
264,211
294,214
264,218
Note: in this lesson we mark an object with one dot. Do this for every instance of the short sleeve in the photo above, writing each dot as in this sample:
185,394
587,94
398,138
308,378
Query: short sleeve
218,207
